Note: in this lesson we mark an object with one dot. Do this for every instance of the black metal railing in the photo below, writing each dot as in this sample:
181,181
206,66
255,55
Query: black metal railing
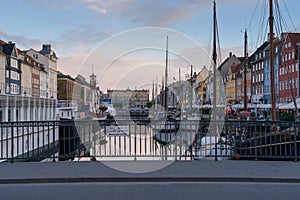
28,141
148,140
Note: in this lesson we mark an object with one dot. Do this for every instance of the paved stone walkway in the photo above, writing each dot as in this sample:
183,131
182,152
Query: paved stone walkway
186,171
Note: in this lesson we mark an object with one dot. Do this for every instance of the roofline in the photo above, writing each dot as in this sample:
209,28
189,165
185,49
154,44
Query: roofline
40,54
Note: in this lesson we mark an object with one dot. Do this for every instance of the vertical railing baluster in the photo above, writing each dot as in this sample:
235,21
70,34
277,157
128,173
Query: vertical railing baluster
12,143
295,141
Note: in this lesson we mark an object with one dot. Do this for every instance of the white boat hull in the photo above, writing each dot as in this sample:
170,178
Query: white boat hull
211,149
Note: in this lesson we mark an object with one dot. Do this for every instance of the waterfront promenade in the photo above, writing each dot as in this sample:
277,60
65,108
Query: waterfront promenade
203,170
180,180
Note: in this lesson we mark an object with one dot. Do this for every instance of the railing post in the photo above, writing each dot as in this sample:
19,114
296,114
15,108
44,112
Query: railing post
12,143
295,140
53,135
134,142
94,136
216,137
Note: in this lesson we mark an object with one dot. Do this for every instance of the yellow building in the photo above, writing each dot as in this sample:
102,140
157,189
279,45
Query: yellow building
201,85
230,83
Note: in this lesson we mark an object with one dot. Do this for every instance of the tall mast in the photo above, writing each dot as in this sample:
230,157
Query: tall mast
245,72
156,94
166,77
273,100
153,91
214,125
163,90
180,97
191,103
214,63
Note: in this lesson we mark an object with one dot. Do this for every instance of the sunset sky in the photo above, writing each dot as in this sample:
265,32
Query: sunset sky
109,38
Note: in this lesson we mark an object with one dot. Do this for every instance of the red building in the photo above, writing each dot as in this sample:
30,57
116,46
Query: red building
288,75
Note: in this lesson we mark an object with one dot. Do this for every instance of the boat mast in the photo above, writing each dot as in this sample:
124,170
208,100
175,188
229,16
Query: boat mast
153,91
191,103
156,93
214,63
162,97
214,125
166,77
271,38
245,72
180,97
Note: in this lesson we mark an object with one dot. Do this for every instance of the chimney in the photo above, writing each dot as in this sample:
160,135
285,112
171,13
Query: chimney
47,47
9,42
230,54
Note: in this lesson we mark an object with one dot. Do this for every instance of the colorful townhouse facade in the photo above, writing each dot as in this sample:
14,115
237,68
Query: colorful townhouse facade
20,88
228,73
267,70
200,86
289,68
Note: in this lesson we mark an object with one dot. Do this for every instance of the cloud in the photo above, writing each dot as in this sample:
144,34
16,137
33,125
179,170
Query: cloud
71,64
150,14
100,5
57,5
97,8
71,47
147,12
21,40
81,39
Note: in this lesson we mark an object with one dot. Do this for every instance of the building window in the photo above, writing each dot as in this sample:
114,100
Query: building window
280,85
7,88
13,63
279,71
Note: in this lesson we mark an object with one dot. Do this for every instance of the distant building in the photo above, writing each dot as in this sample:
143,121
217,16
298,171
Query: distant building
86,91
228,76
121,98
68,89
201,86
235,82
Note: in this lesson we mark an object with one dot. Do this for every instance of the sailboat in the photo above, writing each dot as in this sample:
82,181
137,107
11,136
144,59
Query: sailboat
166,128
208,144
281,139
